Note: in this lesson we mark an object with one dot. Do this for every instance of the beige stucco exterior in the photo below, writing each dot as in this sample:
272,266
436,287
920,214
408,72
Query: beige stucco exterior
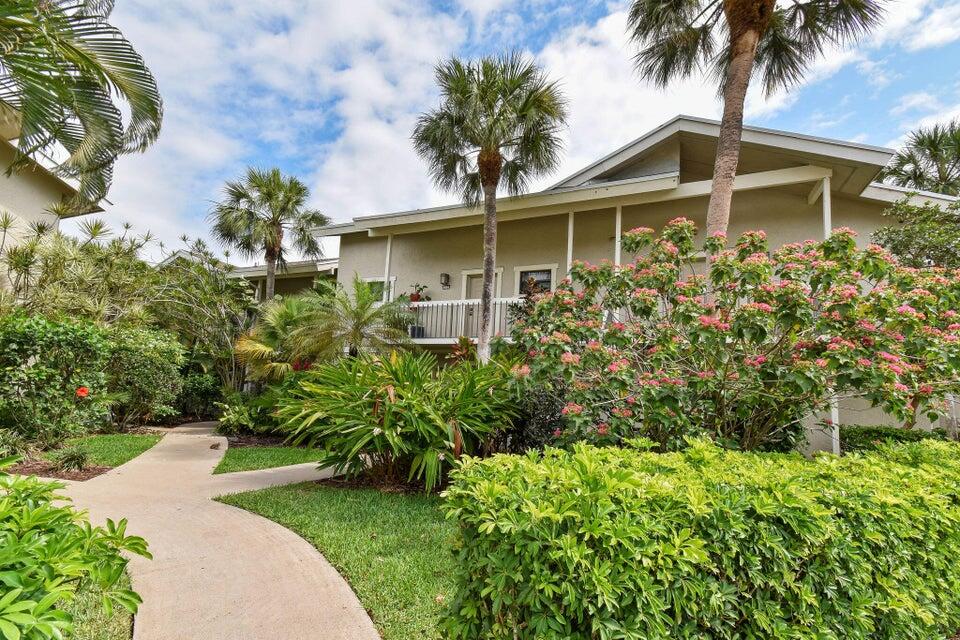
28,194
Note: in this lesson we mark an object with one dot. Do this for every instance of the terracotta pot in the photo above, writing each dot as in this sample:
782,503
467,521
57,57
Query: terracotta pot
414,297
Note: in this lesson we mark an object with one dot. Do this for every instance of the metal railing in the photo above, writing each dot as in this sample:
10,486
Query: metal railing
451,319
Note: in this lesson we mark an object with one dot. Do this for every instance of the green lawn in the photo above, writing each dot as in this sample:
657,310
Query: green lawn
91,623
252,458
112,450
394,549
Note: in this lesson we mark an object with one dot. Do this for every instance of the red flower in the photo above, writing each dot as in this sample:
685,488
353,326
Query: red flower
82,392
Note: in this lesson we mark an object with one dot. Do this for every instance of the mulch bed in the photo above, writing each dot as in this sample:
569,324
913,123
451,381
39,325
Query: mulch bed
237,442
45,469
367,481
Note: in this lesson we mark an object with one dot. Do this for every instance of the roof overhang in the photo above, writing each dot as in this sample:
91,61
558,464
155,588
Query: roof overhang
890,193
299,268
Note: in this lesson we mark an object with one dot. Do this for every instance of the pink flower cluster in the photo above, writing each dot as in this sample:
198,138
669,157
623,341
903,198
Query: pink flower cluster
712,322
572,408
754,361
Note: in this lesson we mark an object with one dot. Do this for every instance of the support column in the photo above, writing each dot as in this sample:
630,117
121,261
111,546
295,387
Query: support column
569,241
618,232
387,293
827,229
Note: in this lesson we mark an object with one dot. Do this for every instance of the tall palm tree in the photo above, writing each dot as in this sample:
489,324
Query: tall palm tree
497,127
930,161
736,40
61,65
353,323
259,212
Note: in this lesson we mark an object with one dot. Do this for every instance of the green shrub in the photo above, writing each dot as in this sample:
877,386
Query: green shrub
52,383
71,458
245,414
144,373
48,552
856,437
402,416
199,396
604,543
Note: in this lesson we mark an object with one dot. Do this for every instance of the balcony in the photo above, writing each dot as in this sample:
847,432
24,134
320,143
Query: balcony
444,322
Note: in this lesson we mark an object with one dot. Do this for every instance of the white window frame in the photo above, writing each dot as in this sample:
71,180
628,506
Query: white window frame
464,273
388,293
551,267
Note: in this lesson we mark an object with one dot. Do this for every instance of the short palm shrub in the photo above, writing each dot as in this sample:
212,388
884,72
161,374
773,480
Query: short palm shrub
48,552
857,437
611,542
654,348
52,381
400,417
70,458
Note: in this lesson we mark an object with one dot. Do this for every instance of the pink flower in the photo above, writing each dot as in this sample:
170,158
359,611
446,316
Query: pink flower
557,433
617,365
569,358
593,345
822,362
521,371
754,361
603,428
572,408
899,386
926,389
864,362
622,412
703,375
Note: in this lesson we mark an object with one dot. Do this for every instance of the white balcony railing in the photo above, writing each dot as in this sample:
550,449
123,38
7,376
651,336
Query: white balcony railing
447,320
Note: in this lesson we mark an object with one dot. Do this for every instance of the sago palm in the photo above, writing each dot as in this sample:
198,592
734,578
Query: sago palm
497,126
735,41
930,161
61,67
260,212
352,323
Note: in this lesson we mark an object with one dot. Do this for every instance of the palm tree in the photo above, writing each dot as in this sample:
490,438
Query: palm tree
736,40
497,127
61,64
351,323
930,161
258,213
267,350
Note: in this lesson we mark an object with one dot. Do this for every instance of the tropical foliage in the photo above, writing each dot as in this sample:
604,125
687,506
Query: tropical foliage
143,370
735,41
860,438
706,543
497,127
400,417
268,350
930,160
62,66
653,349
50,552
258,213
923,235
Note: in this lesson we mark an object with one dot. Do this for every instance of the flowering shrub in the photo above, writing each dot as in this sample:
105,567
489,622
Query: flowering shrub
608,542
654,348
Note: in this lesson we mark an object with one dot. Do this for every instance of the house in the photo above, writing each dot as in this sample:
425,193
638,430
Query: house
795,187
29,193
295,277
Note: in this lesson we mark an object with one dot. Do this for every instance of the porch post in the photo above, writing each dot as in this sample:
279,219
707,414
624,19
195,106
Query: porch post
827,228
569,241
617,233
387,293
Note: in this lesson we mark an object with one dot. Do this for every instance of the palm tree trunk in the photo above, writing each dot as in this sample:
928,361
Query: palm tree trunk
489,271
271,276
742,57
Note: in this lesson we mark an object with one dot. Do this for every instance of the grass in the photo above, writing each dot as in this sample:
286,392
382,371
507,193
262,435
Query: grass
253,458
393,549
112,450
92,623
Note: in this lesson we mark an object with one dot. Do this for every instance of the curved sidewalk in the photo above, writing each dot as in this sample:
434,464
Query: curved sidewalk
219,572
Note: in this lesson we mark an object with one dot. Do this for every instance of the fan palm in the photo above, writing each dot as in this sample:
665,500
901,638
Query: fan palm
259,212
930,161
736,40
497,126
61,65
353,323
267,349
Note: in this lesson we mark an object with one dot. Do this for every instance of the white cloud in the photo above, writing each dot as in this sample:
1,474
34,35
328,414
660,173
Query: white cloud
940,27
919,101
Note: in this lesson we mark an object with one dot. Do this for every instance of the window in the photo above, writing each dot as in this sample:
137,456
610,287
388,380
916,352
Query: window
536,281
379,288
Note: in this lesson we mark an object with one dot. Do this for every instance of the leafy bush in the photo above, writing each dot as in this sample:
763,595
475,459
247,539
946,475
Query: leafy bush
47,553
199,396
401,416
144,372
653,349
707,543
71,458
869,437
538,421
246,414
51,378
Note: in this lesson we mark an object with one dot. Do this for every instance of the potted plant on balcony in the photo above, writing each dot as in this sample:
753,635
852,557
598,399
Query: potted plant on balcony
417,294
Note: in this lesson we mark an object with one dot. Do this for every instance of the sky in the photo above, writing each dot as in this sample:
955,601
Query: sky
329,91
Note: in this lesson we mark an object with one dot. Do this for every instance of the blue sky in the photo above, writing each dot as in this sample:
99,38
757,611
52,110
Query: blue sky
328,90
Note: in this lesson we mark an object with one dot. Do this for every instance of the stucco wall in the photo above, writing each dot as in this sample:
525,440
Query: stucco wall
28,194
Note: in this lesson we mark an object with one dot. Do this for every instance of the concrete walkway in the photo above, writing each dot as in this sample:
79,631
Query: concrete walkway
219,572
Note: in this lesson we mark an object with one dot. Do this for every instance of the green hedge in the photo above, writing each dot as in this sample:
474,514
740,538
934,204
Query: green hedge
618,543
868,437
